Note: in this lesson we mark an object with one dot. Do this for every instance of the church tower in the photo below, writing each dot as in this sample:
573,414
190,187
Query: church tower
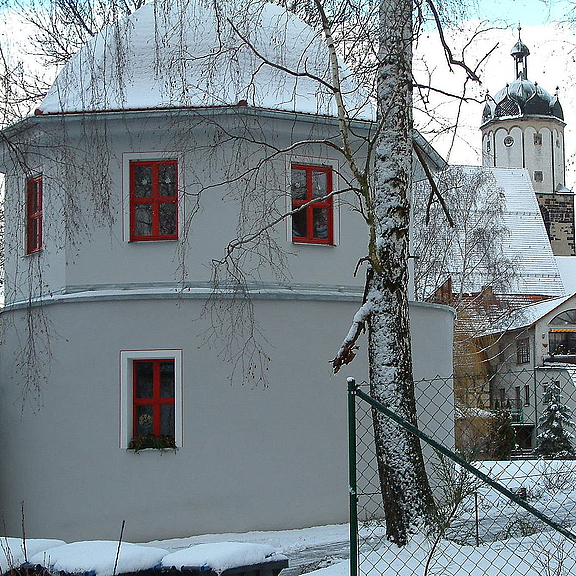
523,127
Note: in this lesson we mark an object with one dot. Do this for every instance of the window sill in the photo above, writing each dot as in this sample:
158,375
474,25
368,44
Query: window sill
157,443
310,243
152,240
160,451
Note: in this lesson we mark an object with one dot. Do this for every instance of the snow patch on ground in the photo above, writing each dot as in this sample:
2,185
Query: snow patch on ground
222,555
99,557
284,541
515,557
13,553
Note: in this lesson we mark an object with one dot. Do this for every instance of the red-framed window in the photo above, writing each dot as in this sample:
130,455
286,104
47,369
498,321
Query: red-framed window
154,200
315,223
33,214
153,397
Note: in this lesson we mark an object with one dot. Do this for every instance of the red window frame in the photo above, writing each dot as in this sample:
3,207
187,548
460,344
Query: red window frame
155,200
156,401
327,204
34,214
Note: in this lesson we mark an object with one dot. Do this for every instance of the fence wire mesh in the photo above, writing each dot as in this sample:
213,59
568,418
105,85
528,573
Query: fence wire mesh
514,427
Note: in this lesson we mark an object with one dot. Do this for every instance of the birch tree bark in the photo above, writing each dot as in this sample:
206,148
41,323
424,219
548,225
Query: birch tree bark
407,497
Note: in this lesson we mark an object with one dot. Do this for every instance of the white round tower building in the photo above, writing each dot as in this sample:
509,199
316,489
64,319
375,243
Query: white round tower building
523,127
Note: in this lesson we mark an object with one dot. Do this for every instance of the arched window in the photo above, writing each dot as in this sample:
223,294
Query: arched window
562,333
564,318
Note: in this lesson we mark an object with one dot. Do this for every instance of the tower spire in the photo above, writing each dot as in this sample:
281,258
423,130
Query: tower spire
520,54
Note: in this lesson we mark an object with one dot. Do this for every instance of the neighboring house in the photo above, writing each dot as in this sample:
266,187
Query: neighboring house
528,349
117,204
509,338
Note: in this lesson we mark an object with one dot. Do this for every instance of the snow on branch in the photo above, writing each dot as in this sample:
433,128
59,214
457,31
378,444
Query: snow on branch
346,353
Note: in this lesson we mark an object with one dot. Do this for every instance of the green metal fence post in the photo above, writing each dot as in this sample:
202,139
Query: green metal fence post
352,477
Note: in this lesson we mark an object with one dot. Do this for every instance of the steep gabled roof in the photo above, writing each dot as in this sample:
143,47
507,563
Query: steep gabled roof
527,244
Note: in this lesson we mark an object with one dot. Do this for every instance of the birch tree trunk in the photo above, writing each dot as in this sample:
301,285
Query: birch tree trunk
408,501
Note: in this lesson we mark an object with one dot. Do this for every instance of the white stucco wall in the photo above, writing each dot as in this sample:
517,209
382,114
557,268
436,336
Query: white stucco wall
98,253
547,157
252,457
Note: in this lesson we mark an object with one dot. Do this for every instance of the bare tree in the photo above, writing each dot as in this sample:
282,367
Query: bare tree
471,252
406,493
463,266
62,27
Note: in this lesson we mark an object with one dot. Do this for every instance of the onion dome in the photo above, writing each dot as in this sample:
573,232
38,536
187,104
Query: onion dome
522,97
519,50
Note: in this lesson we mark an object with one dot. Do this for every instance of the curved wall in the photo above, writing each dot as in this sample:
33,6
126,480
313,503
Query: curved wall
535,143
253,457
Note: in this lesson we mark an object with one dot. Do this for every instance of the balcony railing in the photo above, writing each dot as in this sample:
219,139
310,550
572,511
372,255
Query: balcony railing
511,405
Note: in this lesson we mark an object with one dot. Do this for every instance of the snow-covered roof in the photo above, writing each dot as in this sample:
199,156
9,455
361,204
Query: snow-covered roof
527,244
192,58
527,315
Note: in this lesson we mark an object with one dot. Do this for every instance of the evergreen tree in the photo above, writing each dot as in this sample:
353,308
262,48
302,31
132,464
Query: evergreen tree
502,437
554,439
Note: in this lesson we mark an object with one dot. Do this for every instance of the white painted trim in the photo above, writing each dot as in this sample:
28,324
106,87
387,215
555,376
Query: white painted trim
126,358
313,161
127,157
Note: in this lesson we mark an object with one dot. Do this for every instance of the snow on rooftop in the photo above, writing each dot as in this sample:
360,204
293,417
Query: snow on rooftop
159,58
527,244
222,555
527,315
99,557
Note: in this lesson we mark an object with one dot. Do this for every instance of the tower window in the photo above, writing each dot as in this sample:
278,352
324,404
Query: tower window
488,146
310,186
508,141
537,139
538,176
154,200
33,214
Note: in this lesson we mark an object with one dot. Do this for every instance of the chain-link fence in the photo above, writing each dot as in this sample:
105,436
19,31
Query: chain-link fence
501,462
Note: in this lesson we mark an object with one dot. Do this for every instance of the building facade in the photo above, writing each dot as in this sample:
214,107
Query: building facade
531,349
130,327
523,127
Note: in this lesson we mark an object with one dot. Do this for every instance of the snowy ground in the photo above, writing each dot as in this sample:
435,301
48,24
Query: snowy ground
512,542
326,548
322,551
549,486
